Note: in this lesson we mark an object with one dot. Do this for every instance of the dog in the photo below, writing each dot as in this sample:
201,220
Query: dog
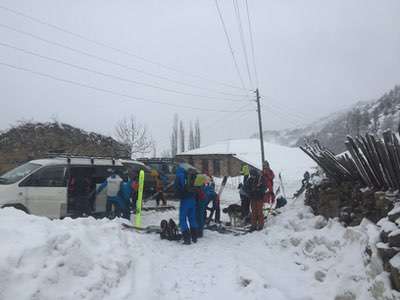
234,212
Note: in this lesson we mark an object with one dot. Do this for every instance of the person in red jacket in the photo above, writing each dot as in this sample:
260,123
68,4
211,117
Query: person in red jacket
268,177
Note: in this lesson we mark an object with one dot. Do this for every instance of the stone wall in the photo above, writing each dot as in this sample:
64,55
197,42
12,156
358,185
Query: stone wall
36,140
347,202
350,204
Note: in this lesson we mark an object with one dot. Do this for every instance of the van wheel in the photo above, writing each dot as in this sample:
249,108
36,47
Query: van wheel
17,206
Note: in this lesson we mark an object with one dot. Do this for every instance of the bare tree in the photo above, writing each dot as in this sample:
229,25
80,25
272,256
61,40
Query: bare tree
174,136
135,135
181,137
191,145
165,153
197,135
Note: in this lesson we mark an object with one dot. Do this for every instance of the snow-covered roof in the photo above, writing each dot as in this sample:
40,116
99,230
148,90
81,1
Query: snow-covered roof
248,151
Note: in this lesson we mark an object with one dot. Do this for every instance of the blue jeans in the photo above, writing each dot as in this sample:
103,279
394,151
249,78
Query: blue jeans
187,213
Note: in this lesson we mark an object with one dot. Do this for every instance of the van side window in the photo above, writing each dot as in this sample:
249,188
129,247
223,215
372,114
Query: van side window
48,177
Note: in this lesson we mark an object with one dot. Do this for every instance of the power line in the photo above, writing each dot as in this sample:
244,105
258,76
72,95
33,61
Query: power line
114,93
230,44
242,39
59,61
128,53
252,43
93,56
223,117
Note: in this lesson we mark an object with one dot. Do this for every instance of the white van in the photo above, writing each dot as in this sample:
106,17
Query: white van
62,186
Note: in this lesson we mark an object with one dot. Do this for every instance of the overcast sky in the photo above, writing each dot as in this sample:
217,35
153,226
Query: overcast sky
313,57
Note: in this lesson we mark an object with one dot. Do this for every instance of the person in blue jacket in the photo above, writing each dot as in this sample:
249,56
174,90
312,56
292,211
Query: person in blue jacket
187,209
112,185
207,195
125,193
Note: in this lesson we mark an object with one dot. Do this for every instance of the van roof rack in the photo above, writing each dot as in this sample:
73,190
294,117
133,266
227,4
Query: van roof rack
156,160
70,156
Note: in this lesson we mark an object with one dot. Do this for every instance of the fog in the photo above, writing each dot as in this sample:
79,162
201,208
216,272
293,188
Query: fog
312,58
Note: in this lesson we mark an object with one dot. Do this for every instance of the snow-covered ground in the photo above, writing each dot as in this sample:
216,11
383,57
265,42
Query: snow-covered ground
298,256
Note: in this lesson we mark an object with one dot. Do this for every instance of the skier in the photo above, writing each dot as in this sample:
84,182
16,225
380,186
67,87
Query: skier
113,186
160,191
125,194
184,188
244,199
135,188
257,189
205,195
245,172
268,178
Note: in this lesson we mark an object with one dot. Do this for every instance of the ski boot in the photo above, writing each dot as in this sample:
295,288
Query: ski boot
164,229
186,237
173,230
193,233
253,228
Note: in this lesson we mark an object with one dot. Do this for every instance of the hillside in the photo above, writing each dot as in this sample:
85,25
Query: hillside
376,117
36,140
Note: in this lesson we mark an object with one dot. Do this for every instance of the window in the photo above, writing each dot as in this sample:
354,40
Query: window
216,167
204,165
48,177
18,173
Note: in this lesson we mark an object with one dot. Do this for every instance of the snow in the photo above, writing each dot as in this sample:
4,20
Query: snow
298,256
394,211
395,261
386,225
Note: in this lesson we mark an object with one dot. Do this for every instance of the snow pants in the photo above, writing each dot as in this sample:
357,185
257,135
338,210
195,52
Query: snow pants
160,197
201,213
257,214
245,206
121,208
187,214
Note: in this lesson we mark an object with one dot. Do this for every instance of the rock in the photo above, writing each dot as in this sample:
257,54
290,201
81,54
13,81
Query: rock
320,276
320,222
346,296
387,227
394,238
395,271
386,253
394,214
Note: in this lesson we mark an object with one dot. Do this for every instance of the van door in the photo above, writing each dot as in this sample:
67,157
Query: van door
46,191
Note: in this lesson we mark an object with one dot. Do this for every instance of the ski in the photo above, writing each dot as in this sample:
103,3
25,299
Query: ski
138,217
158,208
147,229
217,210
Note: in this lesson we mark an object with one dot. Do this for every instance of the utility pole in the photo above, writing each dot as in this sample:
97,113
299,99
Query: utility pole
260,127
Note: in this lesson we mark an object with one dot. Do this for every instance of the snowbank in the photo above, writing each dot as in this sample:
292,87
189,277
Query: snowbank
298,256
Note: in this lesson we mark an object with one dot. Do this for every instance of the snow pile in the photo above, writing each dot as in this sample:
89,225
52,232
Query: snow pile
298,256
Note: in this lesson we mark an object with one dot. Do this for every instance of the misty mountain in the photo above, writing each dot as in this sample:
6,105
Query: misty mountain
29,140
374,116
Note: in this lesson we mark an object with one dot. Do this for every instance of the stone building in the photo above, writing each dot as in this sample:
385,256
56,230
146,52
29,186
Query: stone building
222,159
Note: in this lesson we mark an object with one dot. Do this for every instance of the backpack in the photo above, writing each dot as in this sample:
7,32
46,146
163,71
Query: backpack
189,186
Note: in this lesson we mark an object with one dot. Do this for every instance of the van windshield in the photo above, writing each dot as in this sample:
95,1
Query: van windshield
18,173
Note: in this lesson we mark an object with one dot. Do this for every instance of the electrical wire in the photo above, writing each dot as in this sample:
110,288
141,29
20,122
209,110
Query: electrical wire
128,53
93,56
59,61
252,43
111,92
242,39
229,44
